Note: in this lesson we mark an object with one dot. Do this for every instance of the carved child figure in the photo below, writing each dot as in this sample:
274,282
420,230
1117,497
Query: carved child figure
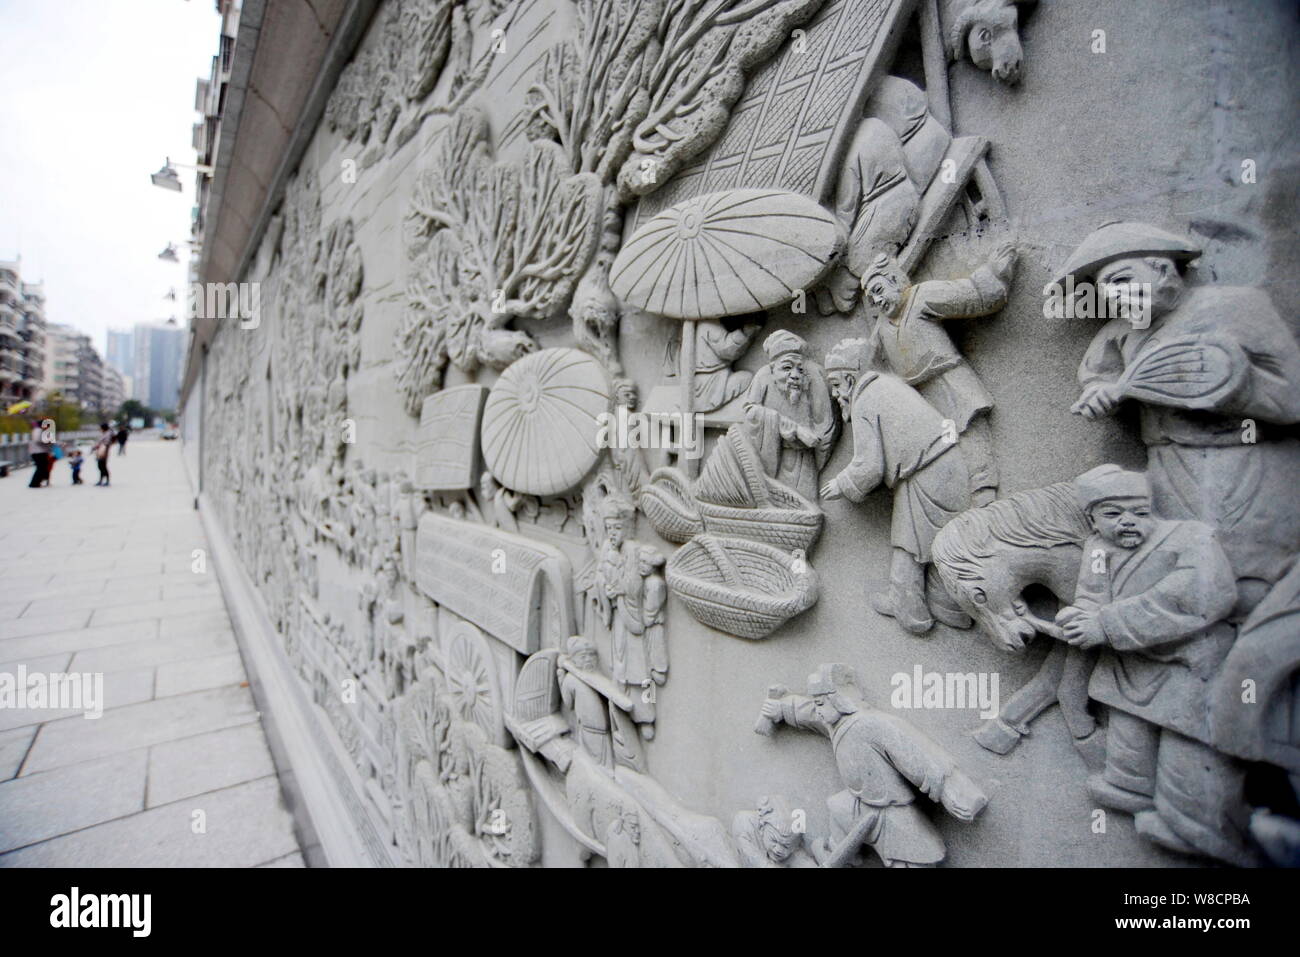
790,414
881,758
1152,594
901,441
908,330
768,837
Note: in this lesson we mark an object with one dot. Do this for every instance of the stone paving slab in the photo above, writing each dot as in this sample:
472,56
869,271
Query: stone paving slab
42,806
207,762
243,826
101,581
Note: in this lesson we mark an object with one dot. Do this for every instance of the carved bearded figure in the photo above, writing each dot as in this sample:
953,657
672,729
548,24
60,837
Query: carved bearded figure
790,414
899,440
1152,594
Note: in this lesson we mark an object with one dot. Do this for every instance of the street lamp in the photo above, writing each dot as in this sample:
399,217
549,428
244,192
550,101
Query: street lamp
168,178
168,255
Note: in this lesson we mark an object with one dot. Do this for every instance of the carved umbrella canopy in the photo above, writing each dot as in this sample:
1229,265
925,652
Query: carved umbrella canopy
725,254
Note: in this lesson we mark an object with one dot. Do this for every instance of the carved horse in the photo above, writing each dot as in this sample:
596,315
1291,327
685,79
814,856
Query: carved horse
987,30
986,558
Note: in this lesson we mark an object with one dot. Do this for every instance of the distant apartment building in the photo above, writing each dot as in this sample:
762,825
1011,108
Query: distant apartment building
114,390
74,369
22,336
159,352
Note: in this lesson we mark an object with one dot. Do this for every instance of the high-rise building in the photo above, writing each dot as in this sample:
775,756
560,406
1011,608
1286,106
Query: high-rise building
22,336
119,351
159,352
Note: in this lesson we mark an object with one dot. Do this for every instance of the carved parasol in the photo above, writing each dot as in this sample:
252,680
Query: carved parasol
725,254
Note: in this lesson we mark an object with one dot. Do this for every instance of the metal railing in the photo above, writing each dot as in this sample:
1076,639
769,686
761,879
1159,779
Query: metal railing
13,446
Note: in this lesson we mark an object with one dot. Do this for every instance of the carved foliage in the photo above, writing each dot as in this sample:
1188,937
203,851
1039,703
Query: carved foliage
487,243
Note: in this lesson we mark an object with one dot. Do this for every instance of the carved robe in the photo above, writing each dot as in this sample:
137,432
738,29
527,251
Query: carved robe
875,197
899,439
919,350
880,758
590,717
794,440
1160,606
1200,463
639,652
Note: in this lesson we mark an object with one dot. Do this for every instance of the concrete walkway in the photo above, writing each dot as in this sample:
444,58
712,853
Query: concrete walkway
176,772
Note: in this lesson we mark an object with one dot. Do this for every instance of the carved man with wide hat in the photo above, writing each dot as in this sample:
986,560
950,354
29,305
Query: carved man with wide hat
1217,375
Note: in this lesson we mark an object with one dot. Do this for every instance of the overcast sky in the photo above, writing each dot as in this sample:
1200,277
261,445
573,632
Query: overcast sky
94,94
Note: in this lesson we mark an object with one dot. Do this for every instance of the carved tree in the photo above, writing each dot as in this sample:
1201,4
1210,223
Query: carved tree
488,243
646,86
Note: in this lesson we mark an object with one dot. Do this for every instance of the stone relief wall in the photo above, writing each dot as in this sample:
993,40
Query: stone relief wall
815,236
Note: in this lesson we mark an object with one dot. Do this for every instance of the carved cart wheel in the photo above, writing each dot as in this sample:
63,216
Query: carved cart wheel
471,680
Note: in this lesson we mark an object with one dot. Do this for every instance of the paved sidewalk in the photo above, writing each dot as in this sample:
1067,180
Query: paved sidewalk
176,772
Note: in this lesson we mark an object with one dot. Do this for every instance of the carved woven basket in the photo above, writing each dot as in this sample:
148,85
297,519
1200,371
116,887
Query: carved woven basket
667,502
791,522
743,588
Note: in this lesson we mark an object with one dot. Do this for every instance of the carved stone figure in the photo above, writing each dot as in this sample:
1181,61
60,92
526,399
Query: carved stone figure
1216,372
590,710
768,836
634,592
718,344
881,759
790,415
917,348
1152,594
902,442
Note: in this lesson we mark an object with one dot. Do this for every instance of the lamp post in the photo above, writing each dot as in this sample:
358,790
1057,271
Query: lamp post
168,178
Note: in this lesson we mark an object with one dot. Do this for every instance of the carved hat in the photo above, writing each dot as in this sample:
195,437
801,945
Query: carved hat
1112,241
781,342
846,356
1107,482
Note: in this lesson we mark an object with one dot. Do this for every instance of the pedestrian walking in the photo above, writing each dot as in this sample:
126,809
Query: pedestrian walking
75,461
56,452
123,432
40,452
102,448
